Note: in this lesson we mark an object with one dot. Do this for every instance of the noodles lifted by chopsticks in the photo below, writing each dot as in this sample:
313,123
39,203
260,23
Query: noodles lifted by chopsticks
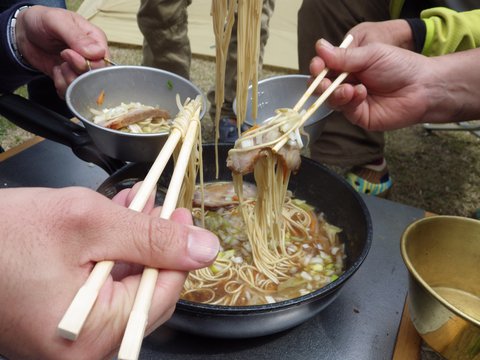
189,112
248,52
223,15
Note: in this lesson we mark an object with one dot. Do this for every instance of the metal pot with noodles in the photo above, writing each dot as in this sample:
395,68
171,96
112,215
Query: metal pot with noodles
253,291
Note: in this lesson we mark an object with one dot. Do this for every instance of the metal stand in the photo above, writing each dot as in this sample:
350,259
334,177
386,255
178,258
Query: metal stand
471,126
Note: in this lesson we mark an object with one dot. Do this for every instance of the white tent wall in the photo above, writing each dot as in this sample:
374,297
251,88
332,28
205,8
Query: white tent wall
118,19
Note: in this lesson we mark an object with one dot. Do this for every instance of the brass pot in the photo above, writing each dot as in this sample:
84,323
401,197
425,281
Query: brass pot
442,254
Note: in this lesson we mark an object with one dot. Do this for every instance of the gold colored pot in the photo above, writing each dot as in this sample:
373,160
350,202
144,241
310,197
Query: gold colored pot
442,254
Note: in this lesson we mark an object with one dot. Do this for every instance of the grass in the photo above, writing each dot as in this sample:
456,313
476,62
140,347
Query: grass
436,171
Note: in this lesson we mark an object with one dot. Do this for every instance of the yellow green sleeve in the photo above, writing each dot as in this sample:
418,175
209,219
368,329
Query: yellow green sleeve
449,31
396,8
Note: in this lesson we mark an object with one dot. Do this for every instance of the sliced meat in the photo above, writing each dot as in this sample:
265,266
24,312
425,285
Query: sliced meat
135,116
222,194
243,162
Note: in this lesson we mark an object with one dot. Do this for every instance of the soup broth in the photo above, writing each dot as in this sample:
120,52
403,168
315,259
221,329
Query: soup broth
315,257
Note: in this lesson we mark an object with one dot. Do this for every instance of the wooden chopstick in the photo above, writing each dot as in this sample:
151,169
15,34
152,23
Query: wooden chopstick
345,43
74,318
319,102
137,322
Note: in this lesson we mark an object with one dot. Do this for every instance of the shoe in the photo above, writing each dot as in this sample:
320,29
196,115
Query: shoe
228,131
371,179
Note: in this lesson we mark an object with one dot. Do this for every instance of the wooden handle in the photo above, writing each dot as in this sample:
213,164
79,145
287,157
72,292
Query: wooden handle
76,314
319,102
345,43
74,318
137,322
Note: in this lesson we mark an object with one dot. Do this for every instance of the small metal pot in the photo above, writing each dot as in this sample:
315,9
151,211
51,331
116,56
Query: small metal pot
126,84
442,254
284,91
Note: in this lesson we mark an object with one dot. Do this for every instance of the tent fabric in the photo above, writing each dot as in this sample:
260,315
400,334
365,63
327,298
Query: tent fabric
118,19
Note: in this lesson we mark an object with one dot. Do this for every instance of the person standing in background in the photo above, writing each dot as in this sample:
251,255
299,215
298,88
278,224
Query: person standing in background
164,25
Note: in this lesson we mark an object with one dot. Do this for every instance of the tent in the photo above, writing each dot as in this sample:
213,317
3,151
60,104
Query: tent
118,19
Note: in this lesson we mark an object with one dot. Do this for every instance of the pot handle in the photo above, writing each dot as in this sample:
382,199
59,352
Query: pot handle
46,123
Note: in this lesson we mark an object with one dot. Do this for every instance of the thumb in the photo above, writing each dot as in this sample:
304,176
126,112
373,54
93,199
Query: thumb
149,240
353,59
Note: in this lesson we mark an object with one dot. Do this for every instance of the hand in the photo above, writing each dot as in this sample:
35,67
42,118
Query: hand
51,239
391,32
58,42
394,77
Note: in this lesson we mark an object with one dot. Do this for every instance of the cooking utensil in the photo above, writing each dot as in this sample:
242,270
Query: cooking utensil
127,84
442,254
41,121
283,92
322,188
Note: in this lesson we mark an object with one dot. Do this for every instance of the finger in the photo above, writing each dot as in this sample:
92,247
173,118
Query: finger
341,96
182,216
115,301
351,60
59,81
167,291
316,66
76,61
126,196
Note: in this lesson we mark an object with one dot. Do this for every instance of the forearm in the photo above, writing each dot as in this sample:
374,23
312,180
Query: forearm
453,87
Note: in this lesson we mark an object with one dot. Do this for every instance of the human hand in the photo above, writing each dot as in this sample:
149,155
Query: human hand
51,239
386,89
58,42
392,32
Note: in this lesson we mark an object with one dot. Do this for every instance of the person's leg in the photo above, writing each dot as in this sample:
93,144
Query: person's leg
164,25
227,112
342,143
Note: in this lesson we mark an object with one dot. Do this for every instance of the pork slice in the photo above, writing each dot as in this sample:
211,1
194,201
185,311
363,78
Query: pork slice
135,116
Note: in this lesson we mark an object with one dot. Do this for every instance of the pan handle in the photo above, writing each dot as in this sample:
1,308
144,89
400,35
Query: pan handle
46,123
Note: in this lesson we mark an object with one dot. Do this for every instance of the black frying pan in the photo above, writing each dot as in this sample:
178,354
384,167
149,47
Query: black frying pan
320,187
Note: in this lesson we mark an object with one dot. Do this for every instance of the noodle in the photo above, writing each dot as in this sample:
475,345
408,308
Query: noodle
223,14
189,112
248,52
312,258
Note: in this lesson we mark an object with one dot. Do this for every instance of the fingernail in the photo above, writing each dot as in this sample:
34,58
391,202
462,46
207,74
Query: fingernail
203,246
94,48
326,44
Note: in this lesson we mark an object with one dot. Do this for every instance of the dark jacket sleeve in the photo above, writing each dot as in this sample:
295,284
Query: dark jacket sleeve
12,74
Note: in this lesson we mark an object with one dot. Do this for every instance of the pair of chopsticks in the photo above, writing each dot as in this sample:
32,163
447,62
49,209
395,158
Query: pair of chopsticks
74,318
321,99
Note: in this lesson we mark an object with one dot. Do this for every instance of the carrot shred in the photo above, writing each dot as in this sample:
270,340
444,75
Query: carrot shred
313,223
101,97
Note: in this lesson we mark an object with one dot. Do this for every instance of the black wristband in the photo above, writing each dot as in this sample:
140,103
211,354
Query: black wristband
419,33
